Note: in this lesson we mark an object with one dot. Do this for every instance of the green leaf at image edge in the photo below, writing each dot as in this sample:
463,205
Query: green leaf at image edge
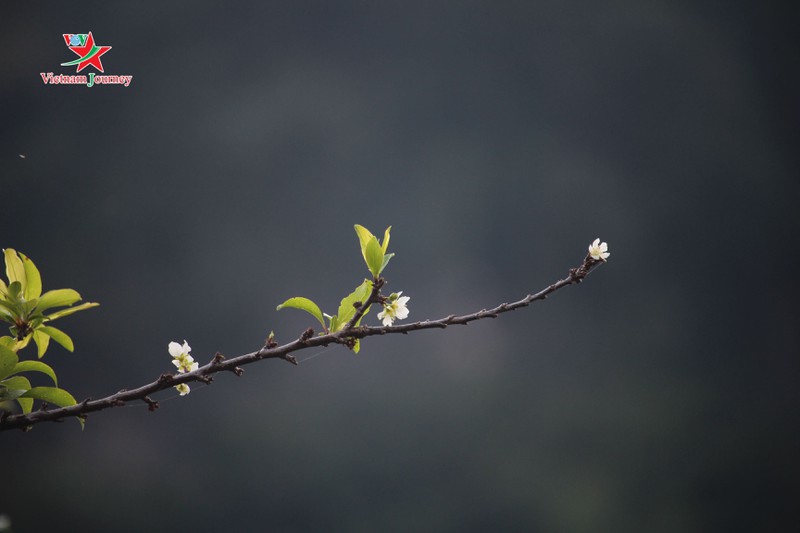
304,304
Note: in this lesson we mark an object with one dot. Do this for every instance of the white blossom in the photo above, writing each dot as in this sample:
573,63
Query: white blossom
394,309
181,358
599,250
183,389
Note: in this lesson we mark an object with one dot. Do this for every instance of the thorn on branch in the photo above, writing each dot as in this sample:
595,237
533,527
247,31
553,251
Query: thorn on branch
290,358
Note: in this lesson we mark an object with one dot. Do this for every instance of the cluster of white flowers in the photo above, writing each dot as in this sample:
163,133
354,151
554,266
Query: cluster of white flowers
183,362
394,308
599,250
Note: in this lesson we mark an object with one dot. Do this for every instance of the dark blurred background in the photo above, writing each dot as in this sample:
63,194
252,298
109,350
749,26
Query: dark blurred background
499,139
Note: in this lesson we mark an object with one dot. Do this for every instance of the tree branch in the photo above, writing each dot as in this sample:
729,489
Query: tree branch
272,351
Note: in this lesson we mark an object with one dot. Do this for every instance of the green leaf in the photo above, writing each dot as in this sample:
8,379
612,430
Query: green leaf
14,291
347,309
35,366
26,404
357,346
57,298
59,336
385,244
386,259
7,394
20,383
68,311
306,305
7,311
364,235
374,257
33,288
53,395
14,268
5,316
8,360
42,341
3,288
8,342
18,345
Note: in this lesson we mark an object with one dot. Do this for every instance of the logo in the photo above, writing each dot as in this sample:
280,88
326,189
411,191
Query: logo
89,55
88,52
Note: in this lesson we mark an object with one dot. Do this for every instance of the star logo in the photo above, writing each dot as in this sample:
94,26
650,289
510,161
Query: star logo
88,52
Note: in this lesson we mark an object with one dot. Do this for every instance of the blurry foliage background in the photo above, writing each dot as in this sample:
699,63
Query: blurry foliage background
499,139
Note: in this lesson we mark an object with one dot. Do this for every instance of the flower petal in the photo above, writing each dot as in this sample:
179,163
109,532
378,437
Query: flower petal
175,349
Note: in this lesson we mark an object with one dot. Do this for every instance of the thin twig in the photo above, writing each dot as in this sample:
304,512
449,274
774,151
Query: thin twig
272,351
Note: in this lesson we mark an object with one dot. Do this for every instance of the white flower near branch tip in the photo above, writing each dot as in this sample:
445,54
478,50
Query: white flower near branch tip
394,309
599,250
183,389
181,358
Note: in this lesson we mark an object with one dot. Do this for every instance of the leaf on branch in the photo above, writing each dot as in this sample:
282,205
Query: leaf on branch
59,336
53,395
374,257
19,383
306,305
14,267
42,341
35,366
8,360
347,307
33,287
57,298
372,250
69,310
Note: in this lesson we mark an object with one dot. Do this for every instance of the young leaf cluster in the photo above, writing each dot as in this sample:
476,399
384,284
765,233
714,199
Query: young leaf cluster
376,258
29,313
373,251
